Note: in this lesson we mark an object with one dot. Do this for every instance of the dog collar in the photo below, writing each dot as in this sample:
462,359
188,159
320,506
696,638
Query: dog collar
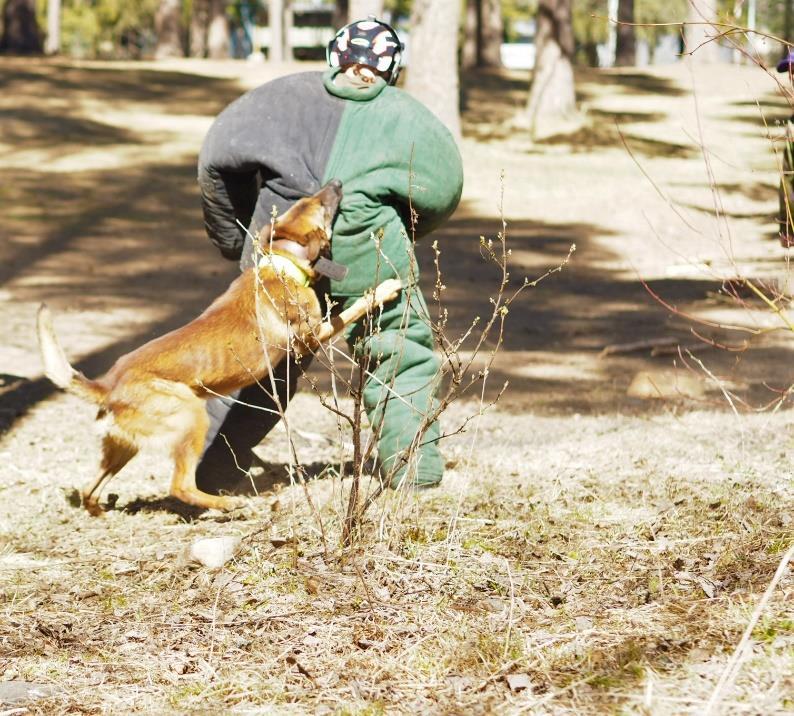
285,266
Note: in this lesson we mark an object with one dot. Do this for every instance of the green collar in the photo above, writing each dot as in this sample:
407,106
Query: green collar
357,95
285,266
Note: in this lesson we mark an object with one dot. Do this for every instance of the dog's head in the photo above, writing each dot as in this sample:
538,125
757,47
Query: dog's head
307,223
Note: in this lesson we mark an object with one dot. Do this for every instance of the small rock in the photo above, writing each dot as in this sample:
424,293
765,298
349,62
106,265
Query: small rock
19,692
214,552
665,385
583,623
122,566
493,605
459,683
518,682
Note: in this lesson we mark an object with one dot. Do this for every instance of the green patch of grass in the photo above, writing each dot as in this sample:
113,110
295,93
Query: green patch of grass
376,708
771,628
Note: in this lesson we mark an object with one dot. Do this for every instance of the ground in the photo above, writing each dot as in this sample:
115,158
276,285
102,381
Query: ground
590,551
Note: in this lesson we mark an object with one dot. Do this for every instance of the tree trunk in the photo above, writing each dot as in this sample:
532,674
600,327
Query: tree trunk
289,23
217,31
168,28
626,46
52,45
21,34
552,98
433,59
341,14
275,10
482,37
489,46
699,30
360,9
199,28
468,51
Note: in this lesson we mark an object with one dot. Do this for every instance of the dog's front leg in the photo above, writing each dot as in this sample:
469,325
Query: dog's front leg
384,292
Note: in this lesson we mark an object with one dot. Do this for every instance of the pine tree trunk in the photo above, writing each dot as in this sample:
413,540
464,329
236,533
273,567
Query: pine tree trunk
482,37
289,22
168,27
52,45
433,59
360,9
626,47
341,14
21,33
699,31
199,27
552,98
217,31
490,35
468,51
275,11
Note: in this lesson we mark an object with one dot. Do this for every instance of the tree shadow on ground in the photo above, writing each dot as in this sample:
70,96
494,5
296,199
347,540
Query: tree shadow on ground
493,98
555,332
176,93
102,243
605,130
36,128
628,82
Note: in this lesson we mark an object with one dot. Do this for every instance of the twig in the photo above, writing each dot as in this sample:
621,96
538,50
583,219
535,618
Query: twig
732,669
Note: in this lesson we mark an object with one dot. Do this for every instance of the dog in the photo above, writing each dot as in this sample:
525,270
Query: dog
157,393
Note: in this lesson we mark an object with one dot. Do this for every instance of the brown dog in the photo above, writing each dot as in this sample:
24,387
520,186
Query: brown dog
156,393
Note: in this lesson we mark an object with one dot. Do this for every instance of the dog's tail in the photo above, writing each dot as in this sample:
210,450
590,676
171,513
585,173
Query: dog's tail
57,368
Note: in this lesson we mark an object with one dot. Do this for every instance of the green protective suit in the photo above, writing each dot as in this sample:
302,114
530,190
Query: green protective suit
395,161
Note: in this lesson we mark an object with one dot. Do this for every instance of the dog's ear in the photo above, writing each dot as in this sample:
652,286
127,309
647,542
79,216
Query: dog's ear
315,241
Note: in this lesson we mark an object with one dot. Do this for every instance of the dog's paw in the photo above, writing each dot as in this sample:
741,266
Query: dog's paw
387,291
93,507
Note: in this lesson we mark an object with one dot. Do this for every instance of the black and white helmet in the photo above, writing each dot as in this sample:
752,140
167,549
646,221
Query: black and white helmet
367,42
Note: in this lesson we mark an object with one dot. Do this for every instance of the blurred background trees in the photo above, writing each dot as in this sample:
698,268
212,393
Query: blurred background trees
21,33
547,39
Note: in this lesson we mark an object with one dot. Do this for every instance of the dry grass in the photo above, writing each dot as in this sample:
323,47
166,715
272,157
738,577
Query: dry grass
613,585
587,564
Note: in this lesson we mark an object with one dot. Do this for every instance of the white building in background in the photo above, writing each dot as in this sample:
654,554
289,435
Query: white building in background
520,54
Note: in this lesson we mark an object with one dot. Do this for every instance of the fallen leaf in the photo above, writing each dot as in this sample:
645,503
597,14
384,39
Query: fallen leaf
313,585
134,635
365,644
709,588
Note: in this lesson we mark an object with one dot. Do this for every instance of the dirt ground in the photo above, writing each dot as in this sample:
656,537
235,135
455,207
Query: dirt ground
590,551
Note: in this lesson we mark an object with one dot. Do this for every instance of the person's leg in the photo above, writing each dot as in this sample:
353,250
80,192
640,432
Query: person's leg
236,428
401,390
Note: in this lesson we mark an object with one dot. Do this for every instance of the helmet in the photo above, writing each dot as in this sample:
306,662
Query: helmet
367,42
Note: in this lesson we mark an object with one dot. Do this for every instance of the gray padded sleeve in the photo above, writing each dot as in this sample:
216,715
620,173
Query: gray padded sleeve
268,148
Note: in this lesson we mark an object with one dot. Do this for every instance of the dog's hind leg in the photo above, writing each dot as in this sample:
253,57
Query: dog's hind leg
186,453
115,455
